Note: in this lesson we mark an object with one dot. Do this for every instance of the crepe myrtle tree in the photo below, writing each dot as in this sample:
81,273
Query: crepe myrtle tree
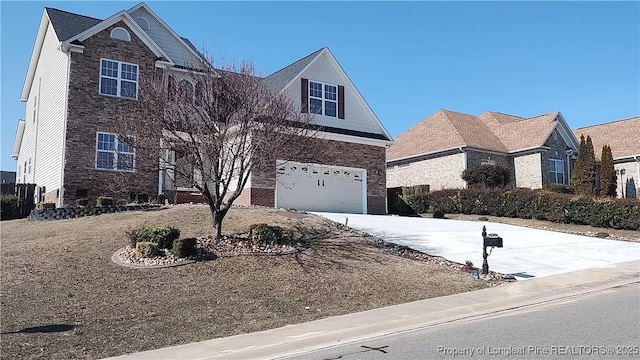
220,122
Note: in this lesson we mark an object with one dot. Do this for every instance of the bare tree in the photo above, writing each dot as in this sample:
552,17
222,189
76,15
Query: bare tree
210,127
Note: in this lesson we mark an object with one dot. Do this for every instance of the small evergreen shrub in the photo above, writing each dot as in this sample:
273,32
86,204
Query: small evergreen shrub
186,247
266,234
146,249
8,206
559,188
104,201
164,236
438,214
488,176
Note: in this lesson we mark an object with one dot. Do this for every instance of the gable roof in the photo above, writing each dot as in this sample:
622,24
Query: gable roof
623,136
71,29
279,79
282,79
491,131
68,25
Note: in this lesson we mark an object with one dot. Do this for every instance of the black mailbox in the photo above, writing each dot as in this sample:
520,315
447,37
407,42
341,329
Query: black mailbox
493,240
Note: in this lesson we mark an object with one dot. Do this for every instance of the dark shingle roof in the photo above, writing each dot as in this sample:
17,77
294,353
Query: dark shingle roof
279,79
68,25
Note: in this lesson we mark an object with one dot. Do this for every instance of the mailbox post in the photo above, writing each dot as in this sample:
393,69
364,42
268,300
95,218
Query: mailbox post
491,240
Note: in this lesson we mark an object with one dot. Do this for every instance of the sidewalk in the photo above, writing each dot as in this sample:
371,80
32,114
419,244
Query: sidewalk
296,339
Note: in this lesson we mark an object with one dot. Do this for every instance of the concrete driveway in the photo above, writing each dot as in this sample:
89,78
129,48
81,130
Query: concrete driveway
527,253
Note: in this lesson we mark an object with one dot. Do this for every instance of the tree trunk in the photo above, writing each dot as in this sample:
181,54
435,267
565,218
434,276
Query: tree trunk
218,216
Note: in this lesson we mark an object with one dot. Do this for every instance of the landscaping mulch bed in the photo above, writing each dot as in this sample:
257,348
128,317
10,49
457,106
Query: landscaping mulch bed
64,298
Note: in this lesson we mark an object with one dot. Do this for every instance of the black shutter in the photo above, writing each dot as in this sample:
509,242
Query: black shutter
304,95
340,102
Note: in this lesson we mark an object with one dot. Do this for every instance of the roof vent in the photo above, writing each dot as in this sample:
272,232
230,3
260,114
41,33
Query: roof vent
144,23
120,34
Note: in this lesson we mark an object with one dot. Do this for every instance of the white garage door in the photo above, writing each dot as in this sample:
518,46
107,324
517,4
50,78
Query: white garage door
315,187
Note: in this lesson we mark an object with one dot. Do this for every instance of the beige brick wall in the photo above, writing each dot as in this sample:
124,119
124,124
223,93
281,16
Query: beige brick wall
528,171
439,173
630,172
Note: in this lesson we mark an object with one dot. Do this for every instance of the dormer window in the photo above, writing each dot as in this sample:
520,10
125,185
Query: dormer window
118,79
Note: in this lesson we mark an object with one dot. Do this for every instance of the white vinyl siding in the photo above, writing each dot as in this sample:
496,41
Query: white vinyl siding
49,85
357,117
179,53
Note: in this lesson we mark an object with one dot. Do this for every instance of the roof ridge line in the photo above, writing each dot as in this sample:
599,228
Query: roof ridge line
71,13
610,122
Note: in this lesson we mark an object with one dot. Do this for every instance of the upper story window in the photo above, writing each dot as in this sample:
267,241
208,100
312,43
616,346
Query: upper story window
120,34
556,171
118,79
323,99
113,154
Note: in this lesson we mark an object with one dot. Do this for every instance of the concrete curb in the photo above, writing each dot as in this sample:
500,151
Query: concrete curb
329,332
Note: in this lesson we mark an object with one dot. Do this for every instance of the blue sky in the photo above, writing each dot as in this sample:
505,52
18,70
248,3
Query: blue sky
408,59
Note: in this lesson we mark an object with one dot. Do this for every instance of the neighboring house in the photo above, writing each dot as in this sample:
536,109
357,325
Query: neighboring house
435,152
82,69
7,177
623,136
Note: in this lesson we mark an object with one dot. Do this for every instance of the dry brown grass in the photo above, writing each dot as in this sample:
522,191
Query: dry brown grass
63,297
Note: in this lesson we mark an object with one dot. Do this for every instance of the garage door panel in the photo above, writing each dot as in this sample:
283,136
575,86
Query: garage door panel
316,187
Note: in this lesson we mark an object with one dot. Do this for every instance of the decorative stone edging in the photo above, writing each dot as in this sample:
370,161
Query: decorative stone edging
75,212
118,260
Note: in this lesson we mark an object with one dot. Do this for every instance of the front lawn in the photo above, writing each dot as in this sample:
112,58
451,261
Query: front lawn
63,298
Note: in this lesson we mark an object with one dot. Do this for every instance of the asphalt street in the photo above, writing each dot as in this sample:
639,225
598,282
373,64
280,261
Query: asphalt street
599,325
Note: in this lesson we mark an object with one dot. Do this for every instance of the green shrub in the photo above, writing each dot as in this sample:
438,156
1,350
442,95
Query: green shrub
164,236
146,249
487,176
532,204
559,188
45,206
186,247
8,206
266,234
104,201
438,214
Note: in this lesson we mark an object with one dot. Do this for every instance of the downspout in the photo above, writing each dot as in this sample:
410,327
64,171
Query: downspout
464,163
637,158
569,153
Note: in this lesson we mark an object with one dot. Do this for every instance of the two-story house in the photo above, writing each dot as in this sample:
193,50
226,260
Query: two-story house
82,70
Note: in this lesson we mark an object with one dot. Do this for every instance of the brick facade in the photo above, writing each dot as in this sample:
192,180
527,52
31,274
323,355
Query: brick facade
557,150
475,158
90,112
326,152
439,172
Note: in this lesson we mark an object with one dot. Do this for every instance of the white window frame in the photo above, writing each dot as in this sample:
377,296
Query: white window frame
119,79
115,153
324,99
553,174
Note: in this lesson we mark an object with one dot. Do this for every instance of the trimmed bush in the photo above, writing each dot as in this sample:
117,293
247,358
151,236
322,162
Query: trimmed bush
146,249
559,188
266,234
488,176
104,201
532,204
8,206
186,247
438,214
164,236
